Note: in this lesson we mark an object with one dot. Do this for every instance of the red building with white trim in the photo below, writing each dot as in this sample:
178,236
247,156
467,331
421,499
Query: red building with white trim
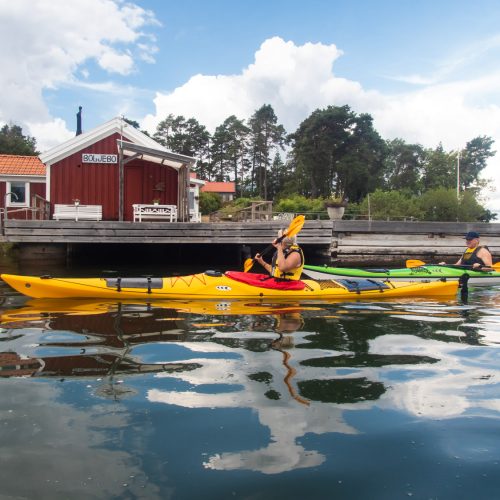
226,190
113,165
21,177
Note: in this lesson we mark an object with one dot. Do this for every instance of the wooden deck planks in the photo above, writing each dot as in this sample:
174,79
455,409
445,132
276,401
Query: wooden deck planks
346,242
314,232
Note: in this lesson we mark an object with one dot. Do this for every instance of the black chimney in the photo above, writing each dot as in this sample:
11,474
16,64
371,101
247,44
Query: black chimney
79,121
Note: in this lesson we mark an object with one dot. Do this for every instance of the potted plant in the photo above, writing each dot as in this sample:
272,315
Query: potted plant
335,206
156,201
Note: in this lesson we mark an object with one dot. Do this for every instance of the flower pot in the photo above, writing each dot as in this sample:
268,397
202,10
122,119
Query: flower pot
335,213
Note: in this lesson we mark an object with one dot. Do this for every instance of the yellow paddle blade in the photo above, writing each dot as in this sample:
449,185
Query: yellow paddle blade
295,226
247,265
414,263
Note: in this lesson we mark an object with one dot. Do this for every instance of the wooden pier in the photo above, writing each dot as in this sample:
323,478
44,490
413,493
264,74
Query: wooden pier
334,242
391,242
167,233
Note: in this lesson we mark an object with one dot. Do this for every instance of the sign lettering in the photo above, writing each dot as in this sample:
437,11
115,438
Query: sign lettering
99,158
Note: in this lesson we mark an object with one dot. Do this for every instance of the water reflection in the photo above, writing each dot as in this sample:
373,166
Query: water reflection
301,368
103,335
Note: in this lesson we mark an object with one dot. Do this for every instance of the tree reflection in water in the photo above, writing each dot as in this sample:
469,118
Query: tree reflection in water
299,367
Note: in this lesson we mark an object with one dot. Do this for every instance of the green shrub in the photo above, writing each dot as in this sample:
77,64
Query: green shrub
394,205
299,204
442,205
209,202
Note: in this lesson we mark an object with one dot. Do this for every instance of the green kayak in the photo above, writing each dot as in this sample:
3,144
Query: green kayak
424,272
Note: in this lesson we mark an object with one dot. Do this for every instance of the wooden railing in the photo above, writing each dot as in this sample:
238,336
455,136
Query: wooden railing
41,208
257,211
221,216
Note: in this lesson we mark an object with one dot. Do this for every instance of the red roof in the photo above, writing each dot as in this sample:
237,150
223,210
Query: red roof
218,187
21,165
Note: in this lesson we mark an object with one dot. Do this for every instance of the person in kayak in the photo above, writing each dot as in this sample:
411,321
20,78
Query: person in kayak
288,260
476,256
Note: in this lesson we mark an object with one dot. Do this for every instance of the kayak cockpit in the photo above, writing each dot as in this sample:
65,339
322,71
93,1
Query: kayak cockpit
362,285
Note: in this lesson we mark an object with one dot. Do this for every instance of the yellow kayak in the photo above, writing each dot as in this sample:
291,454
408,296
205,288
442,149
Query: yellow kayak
215,285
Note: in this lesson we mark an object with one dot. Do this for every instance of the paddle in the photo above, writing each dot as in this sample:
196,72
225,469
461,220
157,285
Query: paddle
419,263
293,229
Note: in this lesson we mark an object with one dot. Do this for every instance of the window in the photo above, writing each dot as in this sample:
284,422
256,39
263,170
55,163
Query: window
191,200
20,193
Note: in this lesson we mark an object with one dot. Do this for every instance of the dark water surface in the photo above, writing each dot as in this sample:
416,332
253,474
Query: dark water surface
181,400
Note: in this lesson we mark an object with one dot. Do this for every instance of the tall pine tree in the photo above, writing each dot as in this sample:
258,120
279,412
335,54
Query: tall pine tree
266,136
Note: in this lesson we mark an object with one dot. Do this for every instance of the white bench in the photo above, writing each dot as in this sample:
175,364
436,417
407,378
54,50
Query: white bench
77,212
194,216
284,216
155,212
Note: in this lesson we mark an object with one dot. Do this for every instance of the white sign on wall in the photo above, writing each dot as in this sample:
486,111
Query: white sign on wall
99,158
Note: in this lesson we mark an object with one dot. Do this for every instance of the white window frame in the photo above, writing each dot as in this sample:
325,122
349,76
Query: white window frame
9,199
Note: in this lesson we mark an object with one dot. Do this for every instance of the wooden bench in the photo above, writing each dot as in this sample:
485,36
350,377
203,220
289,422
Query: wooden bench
155,212
77,212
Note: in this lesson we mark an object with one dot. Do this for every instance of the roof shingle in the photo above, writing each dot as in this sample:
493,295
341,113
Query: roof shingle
219,187
21,165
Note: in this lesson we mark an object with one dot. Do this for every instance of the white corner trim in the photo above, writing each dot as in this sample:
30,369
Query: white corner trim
47,182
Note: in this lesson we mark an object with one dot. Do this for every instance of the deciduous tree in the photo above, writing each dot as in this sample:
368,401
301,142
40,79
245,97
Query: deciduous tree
14,142
338,153
473,160
404,164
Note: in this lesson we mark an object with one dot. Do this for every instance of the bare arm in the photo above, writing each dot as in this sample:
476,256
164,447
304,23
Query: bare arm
485,256
262,262
286,264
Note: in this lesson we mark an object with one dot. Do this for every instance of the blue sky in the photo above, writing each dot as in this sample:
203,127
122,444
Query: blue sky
427,71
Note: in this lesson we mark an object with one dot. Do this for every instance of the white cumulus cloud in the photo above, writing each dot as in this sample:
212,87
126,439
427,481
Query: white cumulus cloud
296,80
44,44
281,72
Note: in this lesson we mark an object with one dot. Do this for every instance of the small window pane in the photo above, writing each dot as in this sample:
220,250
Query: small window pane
19,189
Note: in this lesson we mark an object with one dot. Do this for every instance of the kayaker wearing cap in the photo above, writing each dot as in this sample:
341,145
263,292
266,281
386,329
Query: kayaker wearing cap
288,260
478,257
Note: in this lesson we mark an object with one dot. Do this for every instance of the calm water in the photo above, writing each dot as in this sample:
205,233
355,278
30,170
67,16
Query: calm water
182,400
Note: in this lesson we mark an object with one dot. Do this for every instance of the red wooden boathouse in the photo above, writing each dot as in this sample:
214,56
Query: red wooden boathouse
116,166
